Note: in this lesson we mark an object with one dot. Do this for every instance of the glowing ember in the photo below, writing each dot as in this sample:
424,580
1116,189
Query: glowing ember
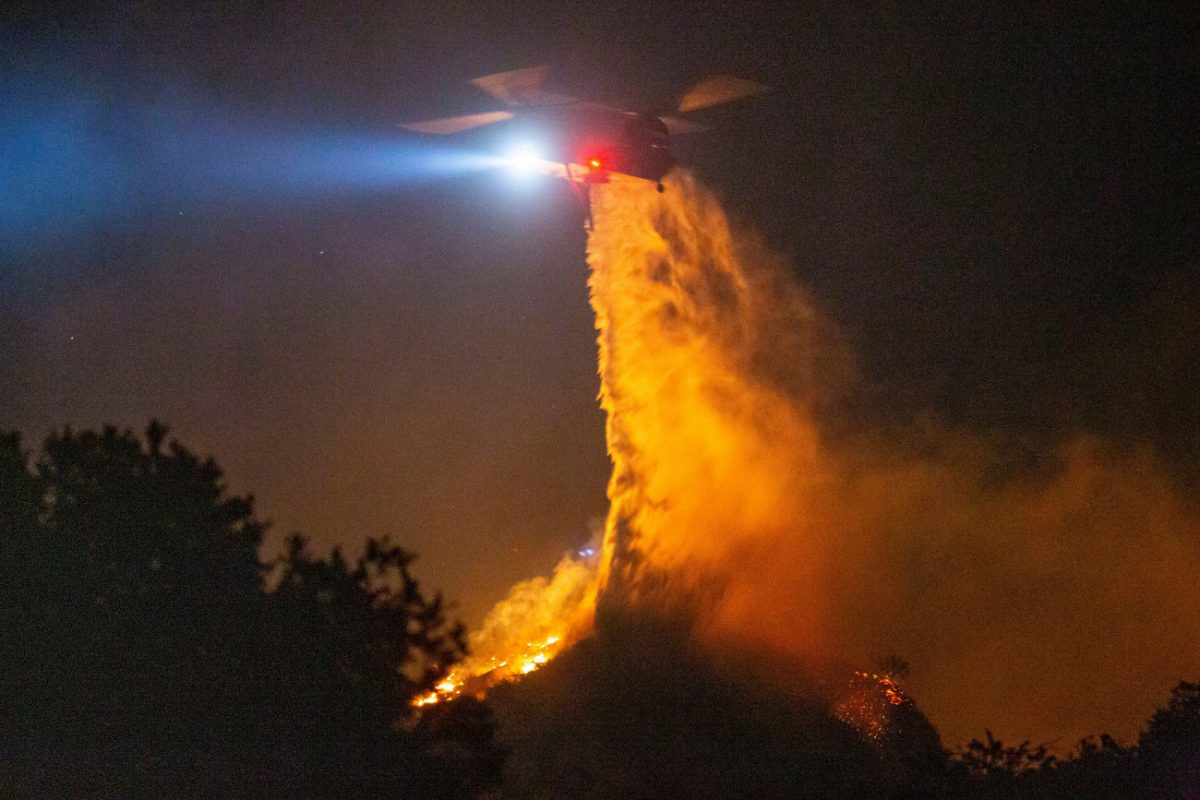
476,676
867,705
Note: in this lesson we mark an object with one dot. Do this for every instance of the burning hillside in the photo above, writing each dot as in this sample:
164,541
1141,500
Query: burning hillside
539,618
1046,603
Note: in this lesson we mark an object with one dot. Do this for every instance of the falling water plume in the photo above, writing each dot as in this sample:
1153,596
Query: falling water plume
1047,604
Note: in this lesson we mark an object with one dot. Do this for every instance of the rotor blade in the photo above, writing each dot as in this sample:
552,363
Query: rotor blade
589,107
678,126
717,89
518,87
448,125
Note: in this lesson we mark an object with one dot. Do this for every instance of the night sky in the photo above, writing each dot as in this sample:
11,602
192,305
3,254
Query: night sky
209,217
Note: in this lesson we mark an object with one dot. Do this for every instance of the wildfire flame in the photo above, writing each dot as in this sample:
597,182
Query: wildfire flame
493,671
538,620
868,702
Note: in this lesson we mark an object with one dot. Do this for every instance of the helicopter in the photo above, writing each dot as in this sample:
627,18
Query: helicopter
585,142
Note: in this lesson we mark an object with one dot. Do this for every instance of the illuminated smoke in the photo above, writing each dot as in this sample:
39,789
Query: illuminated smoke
1041,604
710,377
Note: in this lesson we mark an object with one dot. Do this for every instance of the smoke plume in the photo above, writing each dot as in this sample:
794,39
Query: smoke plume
1043,604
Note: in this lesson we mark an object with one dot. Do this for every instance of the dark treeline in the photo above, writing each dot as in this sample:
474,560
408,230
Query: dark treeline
147,650
637,712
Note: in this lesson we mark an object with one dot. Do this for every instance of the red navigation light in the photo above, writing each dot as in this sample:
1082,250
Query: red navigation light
596,163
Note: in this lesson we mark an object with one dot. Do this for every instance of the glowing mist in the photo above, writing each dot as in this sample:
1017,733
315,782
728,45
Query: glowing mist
1049,605
1043,606
691,323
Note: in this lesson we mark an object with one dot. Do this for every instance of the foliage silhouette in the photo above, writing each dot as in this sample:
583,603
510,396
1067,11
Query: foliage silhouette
1169,747
148,652
1163,765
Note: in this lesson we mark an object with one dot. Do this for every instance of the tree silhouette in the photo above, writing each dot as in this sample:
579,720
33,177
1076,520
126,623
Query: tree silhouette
1098,770
148,652
1169,747
993,757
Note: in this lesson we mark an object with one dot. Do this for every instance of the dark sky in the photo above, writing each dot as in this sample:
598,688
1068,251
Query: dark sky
997,204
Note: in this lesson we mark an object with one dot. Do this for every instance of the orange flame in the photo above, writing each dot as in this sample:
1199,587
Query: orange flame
867,703
539,618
